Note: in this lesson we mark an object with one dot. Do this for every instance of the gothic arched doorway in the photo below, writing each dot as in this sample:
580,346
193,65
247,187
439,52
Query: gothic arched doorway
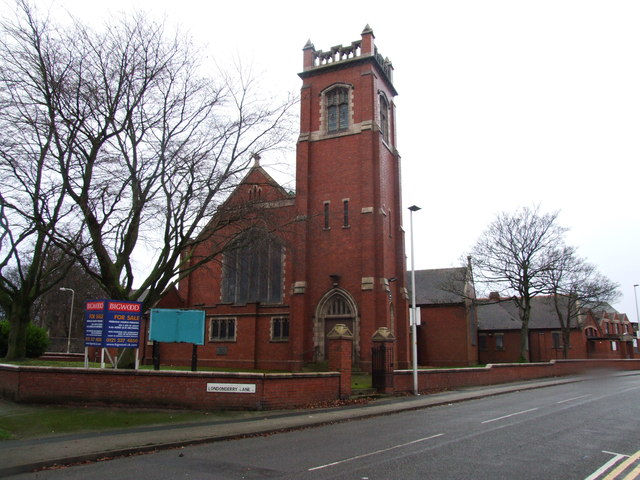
336,307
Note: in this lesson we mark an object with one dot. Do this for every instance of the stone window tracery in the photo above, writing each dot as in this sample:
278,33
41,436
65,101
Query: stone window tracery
252,269
280,329
222,330
338,110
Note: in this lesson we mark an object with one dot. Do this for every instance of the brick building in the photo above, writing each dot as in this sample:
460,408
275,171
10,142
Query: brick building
600,334
448,333
459,330
331,253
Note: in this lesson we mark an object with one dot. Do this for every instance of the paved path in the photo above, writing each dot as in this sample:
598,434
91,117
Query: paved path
27,455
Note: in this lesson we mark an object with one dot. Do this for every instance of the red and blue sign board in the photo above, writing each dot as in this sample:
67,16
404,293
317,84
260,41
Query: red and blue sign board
112,323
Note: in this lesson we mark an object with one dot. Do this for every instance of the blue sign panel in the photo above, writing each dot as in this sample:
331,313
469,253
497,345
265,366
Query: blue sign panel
93,323
122,324
177,326
112,323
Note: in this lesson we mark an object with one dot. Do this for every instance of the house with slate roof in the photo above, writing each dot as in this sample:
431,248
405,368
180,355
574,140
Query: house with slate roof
457,329
603,333
447,335
608,332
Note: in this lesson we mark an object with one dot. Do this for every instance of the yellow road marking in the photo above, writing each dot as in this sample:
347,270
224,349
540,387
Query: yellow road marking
634,474
621,468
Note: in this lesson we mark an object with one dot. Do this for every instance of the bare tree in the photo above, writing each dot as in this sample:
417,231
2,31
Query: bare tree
158,156
514,255
52,310
32,201
141,146
576,286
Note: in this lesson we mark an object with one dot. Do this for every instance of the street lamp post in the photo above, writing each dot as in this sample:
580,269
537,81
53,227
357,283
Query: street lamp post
637,316
414,313
63,289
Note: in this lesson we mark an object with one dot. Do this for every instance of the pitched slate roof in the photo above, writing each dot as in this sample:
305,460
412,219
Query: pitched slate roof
504,315
439,286
602,308
498,316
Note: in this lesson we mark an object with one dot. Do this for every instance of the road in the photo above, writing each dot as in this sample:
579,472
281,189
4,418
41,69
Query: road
586,430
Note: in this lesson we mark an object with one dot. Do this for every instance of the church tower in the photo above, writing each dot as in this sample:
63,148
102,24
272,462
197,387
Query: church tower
349,243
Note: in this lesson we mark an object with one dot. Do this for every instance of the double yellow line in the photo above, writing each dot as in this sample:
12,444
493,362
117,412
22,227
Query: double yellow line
623,466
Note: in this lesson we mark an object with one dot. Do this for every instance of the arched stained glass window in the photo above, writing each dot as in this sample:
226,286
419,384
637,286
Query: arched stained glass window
252,269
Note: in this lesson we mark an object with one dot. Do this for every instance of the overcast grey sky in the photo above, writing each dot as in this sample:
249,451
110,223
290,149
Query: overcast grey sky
502,103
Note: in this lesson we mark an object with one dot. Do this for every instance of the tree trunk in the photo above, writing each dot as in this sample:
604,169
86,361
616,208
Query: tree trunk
524,344
566,338
524,332
17,341
565,325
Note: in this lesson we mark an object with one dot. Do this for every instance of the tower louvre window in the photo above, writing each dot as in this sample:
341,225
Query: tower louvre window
345,213
337,102
326,216
384,118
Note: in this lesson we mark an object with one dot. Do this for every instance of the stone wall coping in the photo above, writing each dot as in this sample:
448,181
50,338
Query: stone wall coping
166,373
550,363
442,370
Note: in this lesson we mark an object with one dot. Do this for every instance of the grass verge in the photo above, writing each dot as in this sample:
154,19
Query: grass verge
19,421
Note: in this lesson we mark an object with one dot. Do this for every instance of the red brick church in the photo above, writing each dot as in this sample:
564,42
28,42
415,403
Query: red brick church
337,255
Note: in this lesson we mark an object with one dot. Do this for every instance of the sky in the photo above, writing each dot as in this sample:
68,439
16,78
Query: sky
502,104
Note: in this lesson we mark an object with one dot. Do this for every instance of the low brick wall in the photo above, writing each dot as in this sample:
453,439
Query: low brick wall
174,389
165,389
451,378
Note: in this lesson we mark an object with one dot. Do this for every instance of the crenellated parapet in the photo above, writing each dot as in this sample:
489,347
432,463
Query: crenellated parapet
337,54
314,59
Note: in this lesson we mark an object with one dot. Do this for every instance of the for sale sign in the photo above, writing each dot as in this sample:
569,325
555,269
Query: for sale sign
122,322
93,323
112,323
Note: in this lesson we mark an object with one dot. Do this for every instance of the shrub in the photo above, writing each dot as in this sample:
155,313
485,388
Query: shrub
37,340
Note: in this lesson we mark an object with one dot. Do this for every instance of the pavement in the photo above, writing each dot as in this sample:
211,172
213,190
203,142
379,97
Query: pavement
28,455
